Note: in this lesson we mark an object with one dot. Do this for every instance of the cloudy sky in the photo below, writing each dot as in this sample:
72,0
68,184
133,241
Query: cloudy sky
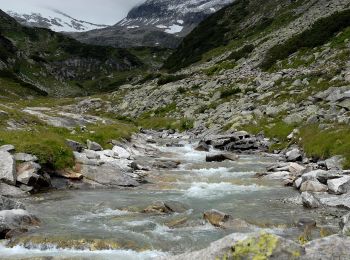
96,11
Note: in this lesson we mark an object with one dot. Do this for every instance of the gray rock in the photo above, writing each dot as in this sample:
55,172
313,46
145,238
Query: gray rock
27,173
215,217
90,154
340,185
334,163
108,175
294,155
296,169
8,204
75,146
24,157
82,159
93,146
122,152
321,175
12,191
332,247
162,164
202,147
309,200
298,182
230,246
313,186
7,168
176,206
7,148
345,224
15,219
306,223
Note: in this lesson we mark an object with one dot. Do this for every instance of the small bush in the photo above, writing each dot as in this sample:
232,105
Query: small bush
186,124
229,92
181,90
225,65
320,32
165,79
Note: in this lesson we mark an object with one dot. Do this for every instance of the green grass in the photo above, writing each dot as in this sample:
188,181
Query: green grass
321,32
229,92
241,53
323,144
216,69
48,143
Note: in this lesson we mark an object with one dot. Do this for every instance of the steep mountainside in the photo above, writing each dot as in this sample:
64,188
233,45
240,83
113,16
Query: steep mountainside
40,61
155,23
54,20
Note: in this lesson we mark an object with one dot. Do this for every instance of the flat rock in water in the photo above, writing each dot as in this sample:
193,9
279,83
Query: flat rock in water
215,217
8,204
221,157
7,168
12,191
109,175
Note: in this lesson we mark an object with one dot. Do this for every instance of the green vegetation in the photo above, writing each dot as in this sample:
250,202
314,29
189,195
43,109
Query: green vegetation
225,65
229,92
322,144
168,78
49,143
242,53
321,31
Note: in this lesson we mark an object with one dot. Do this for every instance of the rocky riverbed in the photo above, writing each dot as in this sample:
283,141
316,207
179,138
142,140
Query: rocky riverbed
164,194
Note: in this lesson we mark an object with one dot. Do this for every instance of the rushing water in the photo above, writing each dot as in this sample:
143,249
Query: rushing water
101,214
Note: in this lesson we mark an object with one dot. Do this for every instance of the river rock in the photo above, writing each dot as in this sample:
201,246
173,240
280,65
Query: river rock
7,168
75,146
93,146
296,169
24,157
215,217
340,185
321,176
306,223
174,145
298,182
294,155
122,152
14,219
202,147
345,224
82,159
246,246
157,208
108,175
309,200
177,222
331,247
221,157
313,186
176,206
7,148
165,164
92,155
27,173
277,176
8,204
11,191
334,163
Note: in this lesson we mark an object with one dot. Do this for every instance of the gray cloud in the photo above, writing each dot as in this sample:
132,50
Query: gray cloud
97,11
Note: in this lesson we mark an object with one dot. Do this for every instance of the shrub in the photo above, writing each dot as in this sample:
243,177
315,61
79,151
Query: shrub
320,32
242,53
225,65
165,79
228,92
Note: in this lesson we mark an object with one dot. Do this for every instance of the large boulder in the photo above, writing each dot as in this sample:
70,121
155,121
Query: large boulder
7,148
340,185
313,186
27,173
334,163
16,219
296,169
12,191
331,247
246,246
7,168
309,200
221,157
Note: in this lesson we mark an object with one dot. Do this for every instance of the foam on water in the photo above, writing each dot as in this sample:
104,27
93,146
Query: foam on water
107,212
221,172
19,252
215,190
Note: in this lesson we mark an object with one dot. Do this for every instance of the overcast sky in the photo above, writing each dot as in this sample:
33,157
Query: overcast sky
96,11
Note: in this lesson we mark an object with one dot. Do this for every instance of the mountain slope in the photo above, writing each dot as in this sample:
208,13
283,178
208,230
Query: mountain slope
44,62
54,20
155,23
